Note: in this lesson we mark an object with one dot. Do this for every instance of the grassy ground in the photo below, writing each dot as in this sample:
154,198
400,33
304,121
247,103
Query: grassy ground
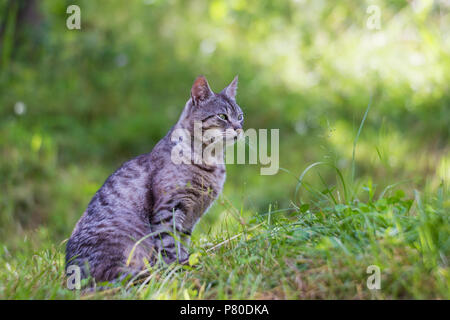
316,250
321,248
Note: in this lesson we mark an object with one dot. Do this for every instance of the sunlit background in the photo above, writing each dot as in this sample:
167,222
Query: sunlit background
75,104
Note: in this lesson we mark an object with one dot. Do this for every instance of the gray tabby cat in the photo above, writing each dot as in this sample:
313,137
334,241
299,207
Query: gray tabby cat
139,209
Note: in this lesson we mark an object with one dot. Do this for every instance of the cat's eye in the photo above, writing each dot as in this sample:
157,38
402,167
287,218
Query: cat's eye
241,117
223,116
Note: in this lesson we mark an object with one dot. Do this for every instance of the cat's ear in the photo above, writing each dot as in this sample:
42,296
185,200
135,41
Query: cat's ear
200,90
231,90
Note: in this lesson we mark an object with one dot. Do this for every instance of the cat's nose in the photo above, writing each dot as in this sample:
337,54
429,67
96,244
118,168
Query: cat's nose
237,126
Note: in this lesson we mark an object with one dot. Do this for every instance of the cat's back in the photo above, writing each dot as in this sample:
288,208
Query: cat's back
116,217
128,191
123,200
127,188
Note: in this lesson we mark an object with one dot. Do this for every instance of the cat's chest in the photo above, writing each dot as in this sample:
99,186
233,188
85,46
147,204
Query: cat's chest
196,186
207,184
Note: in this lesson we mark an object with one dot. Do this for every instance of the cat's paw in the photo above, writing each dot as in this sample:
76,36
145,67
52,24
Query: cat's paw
183,257
184,261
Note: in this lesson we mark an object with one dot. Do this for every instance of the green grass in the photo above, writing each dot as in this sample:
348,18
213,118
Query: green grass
319,250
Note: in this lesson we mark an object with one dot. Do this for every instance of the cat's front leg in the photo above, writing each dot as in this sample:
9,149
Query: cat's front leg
170,237
172,247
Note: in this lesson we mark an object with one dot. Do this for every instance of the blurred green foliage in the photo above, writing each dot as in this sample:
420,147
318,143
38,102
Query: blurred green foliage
75,104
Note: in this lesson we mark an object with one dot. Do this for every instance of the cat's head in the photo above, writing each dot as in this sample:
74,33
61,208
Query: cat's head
218,113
